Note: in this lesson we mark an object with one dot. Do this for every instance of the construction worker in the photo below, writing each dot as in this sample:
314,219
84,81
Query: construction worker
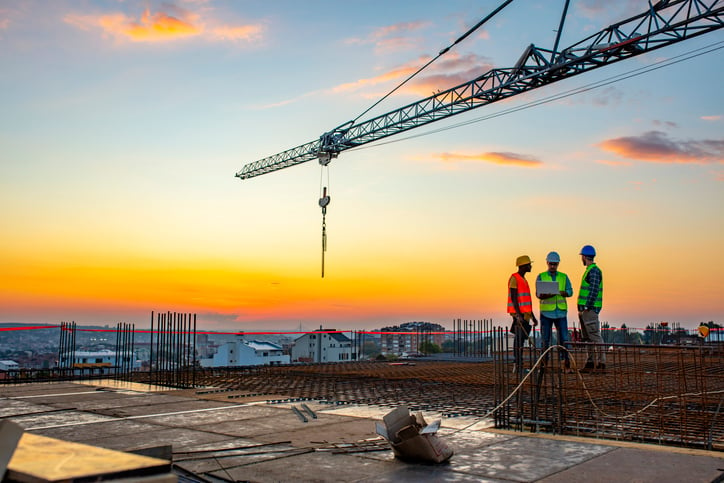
553,306
520,307
590,301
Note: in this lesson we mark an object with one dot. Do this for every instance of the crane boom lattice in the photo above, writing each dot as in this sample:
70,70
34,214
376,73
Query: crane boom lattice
665,23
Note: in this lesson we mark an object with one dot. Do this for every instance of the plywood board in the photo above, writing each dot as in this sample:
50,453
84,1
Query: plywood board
42,459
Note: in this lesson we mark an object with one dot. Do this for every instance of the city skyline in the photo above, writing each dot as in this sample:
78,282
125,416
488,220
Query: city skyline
124,123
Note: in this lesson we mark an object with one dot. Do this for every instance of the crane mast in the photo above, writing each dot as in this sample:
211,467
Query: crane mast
666,22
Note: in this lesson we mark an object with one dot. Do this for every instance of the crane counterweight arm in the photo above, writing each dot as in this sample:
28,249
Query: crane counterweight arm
665,23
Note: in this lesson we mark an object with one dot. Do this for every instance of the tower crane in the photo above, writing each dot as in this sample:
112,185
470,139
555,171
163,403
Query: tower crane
664,23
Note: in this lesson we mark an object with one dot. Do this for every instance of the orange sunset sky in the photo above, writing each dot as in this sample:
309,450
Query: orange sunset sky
123,124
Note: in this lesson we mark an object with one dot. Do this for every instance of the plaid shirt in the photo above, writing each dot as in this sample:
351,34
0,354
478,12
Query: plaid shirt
594,279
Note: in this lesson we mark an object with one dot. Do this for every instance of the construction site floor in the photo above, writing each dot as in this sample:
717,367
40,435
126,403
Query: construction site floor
263,439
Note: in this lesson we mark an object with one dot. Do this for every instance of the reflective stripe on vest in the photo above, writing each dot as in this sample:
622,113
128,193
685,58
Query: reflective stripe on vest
557,302
525,302
585,290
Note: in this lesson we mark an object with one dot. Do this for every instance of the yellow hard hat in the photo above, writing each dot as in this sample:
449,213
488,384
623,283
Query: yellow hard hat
522,260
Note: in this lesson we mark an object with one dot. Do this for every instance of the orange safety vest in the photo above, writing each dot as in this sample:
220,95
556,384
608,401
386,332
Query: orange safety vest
525,302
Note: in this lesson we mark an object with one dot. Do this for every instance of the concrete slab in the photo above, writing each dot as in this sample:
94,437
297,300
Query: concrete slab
179,438
417,473
87,433
632,464
159,407
105,400
40,388
189,422
219,446
310,467
205,418
19,407
125,385
465,441
57,418
330,429
283,421
524,459
125,399
219,460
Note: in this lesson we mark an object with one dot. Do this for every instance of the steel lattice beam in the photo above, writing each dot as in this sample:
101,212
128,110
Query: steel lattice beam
665,23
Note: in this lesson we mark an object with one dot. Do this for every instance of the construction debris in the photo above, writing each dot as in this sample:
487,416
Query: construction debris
412,439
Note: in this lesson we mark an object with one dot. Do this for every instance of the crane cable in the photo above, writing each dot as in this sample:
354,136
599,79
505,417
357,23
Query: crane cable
440,54
571,92
324,196
324,200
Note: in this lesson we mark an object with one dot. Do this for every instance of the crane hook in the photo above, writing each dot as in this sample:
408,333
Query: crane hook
323,203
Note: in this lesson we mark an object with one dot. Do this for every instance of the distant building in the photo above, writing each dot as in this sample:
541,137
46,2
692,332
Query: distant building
405,339
9,365
104,360
323,345
247,353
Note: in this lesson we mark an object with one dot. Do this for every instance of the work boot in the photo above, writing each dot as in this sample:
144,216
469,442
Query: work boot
601,368
589,367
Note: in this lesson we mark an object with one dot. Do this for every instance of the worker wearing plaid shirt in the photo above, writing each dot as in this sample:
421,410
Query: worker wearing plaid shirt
590,302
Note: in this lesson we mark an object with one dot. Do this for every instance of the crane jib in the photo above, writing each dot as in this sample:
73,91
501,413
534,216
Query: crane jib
664,23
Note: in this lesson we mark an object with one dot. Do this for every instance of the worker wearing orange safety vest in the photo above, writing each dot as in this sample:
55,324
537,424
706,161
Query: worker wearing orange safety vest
520,307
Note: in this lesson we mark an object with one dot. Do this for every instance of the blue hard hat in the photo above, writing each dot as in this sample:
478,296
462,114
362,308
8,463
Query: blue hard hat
553,257
588,251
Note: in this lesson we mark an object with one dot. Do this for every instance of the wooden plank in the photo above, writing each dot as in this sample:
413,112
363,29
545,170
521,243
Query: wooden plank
10,435
39,459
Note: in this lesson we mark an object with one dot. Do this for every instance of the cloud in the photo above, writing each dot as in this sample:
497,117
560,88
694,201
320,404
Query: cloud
397,73
450,71
503,158
595,9
608,96
150,27
656,147
614,163
443,74
665,123
244,32
711,118
638,185
390,37
397,28
5,15
591,8
173,23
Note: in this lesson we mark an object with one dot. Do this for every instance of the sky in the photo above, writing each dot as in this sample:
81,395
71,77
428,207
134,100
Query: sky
124,122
